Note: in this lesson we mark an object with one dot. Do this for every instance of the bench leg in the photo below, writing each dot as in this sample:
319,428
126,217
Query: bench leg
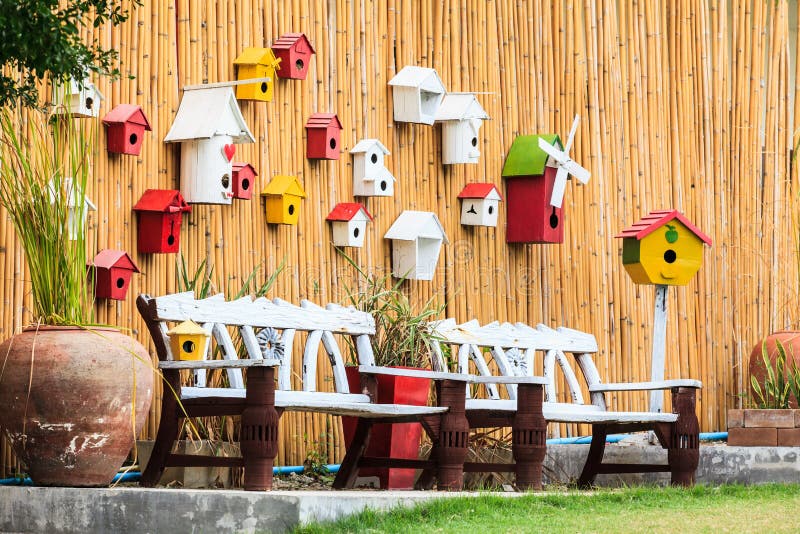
451,452
595,458
529,434
684,446
167,431
259,434
348,471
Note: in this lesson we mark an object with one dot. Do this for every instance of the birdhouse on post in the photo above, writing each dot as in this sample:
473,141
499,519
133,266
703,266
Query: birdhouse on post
323,131
417,93
79,100
189,341
349,223
244,179
294,51
416,242
76,218
112,274
256,63
371,178
283,197
160,214
208,125
461,116
125,127
479,204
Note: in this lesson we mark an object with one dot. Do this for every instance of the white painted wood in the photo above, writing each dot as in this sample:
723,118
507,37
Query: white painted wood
349,233
79,102
337,362
364,350
250,342
483,370
417,238
164,329
506,369
659,347
310,353
566,413
566,166
417,93
231,83
285,372
648,386
205,113
418,373
509,380
224,340
206,174
437,361
570,378
370,175
592,377
549,373
479,212
207,352
461,116
217,364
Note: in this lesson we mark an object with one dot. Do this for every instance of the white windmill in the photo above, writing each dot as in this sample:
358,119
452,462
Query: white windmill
566,166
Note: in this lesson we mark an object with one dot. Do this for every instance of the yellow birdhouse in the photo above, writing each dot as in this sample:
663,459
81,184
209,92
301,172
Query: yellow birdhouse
664,248
188,341
283,195
256,63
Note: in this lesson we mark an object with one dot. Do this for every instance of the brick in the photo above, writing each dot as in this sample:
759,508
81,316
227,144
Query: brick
736,418
753,437
789,437
796,418
769,418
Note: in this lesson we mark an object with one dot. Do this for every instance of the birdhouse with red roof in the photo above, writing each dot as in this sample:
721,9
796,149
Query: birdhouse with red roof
349,224
283,196
371,178
294,51
112,274
479,204
256,63
663,248
125,127
160,214
244,179
323,132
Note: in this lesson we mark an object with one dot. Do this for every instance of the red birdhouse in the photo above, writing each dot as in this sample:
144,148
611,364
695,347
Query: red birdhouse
244,178
126,125
112,274
294,50
323,130
160,213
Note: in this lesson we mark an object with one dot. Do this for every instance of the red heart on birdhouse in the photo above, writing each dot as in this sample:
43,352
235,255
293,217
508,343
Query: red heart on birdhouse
229,151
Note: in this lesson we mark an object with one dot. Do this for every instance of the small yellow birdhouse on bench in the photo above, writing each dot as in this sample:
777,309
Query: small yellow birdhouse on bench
283,195
256,63
188,341
664,248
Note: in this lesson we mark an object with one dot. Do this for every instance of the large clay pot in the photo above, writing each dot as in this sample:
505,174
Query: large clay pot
790,339
66,397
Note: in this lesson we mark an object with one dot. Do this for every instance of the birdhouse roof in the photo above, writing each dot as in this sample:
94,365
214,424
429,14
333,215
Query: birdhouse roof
382,174
525,158
162,200
188,327
345,211
288,40
284,185
460,107
257,56
420,77
108,258
411,225
488,191
207,112
655,220
238,166
67,184
323,120
365,145
75,88
123,113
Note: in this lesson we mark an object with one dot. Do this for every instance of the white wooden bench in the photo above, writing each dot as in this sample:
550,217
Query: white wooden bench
261,404
515,350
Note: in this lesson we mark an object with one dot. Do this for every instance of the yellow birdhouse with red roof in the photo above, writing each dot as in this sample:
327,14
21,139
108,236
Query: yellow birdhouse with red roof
664,248
256,63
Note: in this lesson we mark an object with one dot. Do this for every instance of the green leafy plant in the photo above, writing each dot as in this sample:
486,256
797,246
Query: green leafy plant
781,381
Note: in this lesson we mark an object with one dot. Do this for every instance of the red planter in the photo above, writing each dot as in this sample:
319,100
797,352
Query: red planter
398,440
790,339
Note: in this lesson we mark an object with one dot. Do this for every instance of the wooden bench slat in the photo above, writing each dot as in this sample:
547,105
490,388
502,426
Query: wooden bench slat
217,364
647,386
419,373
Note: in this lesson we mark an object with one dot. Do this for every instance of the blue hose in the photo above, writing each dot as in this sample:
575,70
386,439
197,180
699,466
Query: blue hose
131,476
614,438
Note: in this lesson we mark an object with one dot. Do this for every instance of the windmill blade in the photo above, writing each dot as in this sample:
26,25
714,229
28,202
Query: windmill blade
559,186
552,151
572,132
576,170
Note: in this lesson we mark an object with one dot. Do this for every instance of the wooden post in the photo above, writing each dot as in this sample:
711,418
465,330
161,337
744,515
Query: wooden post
659,347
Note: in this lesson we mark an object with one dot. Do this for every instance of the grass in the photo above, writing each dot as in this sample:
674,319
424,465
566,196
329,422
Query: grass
767,508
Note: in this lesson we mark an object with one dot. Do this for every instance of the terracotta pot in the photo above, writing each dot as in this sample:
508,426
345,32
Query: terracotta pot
73,425
790,339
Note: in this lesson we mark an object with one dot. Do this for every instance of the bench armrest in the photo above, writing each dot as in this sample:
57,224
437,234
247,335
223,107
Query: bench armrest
646,386
519,380
415,373
217,364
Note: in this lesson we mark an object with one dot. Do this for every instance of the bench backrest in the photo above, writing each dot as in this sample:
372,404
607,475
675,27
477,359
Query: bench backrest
250,317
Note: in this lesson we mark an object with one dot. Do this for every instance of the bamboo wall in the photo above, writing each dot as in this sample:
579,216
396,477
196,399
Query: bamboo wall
685,104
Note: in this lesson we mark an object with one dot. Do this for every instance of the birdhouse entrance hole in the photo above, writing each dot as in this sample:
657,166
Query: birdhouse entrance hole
245,184
474,141
333,143
89,102
120,282
133,138
263,87
291,209
171,240
670,256
299,64
355,232
491,210
374,158
428,102
188,347
226,181
383,185
554,219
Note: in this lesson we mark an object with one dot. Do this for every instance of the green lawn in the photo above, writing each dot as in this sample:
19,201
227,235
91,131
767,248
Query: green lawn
762,509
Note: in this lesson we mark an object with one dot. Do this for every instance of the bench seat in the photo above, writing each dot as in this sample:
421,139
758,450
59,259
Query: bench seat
564,413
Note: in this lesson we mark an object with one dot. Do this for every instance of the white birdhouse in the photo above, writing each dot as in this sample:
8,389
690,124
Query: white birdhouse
461,116
479,204
349,224
208,125
76,100
416,242
73,194
417,93
370,177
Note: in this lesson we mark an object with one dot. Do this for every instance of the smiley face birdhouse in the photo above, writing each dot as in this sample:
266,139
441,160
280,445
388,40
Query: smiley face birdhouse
664,248
160,214
479,204
79,100
244,179
323,132
112,274
370,176
283,196
461,116
125,127
294,51
416,242
188,341
349,223
417,93
208,125
256,63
